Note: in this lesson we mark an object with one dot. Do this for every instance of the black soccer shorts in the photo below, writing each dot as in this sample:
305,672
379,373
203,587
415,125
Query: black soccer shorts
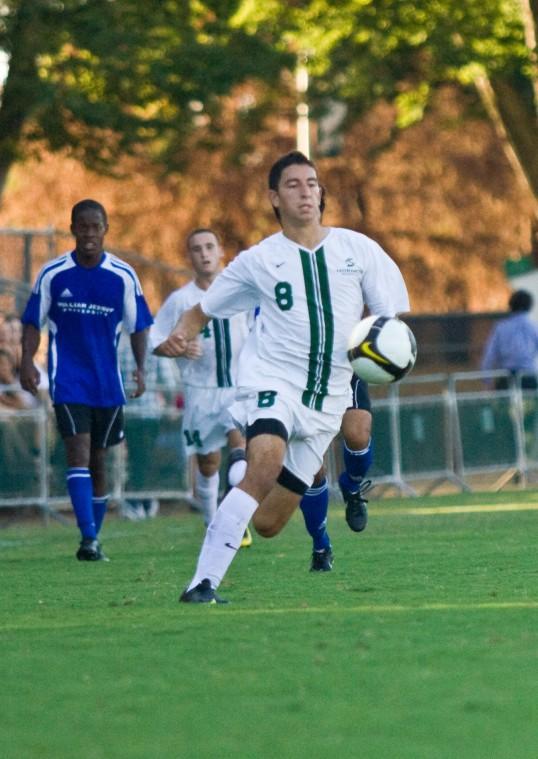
105,425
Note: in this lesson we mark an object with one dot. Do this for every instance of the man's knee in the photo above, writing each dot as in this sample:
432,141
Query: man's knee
275,510
265,526
357,428
208,463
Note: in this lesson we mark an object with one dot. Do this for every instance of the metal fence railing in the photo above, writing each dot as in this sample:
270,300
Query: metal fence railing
428,430
446,428
151,464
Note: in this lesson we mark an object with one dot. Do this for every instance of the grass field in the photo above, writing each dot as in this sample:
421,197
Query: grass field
421,644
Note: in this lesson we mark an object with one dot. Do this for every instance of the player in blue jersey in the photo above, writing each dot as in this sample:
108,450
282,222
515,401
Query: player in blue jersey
87,297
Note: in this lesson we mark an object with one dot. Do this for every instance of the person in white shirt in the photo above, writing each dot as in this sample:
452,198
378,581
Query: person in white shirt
208,367
311,283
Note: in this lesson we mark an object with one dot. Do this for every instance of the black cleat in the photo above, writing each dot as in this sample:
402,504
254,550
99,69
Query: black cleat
202,593
356,511
322,561
90,550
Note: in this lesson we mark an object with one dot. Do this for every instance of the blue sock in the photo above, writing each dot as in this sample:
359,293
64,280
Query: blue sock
99,505
79,485
357,463
315,505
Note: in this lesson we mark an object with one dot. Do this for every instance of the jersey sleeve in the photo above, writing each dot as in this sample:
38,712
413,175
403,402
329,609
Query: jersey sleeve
235,289
383,286
136,314
37,307
166,319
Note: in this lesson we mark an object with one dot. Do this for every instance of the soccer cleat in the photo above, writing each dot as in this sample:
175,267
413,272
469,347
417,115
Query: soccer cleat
202,593
90,550
356,511
322,561
246,540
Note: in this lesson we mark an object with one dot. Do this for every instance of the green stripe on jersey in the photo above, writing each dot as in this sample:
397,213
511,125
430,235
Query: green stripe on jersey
223,351
320,313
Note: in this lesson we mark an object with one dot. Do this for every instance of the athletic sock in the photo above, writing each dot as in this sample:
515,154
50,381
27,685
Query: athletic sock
99,505
79,485
207,492
357,463
315,505
238,466
223,537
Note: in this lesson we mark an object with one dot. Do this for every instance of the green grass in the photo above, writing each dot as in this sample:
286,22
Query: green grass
422,642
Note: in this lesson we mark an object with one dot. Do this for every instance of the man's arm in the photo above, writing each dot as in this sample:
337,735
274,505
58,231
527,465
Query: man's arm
138,346
29,373
188,327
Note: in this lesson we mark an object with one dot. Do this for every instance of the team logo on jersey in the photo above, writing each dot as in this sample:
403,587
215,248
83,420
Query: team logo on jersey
66,293
351,267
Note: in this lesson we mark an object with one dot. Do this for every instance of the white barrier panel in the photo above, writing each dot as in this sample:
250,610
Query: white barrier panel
434,428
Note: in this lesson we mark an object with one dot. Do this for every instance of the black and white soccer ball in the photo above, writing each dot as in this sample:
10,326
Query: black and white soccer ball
381,349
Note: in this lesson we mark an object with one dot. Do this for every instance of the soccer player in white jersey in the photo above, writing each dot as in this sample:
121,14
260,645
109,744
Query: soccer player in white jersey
311,283
87,297
208,368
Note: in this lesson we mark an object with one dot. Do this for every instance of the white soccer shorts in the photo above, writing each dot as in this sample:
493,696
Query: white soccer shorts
310,432
206,419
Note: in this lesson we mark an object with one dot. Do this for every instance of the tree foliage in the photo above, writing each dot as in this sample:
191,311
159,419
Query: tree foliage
361,51
107,77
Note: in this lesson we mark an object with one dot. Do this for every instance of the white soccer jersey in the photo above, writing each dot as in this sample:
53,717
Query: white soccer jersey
221,340
309,301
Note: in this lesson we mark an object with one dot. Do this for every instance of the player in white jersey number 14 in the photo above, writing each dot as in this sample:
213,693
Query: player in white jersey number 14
208,371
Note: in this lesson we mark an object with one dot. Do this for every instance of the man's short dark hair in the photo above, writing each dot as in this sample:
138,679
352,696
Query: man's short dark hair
88,205
520,300
295,157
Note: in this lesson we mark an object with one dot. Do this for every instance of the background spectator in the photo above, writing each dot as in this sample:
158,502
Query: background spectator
513,343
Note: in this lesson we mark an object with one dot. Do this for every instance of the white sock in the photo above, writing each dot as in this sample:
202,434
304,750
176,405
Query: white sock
207,492
236,472
223,537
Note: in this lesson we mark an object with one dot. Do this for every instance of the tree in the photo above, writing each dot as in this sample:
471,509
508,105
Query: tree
361,51
110,77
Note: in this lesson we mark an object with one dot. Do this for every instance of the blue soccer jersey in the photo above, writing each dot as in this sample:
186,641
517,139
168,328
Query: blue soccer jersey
86,311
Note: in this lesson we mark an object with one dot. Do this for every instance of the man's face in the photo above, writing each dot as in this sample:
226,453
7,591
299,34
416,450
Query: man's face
298,195
89,230
205,253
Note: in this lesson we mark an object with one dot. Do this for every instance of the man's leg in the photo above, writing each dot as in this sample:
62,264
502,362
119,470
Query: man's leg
107,429
237,467
358,454
315,506
207,483
100,495
79,483
237,458
224,534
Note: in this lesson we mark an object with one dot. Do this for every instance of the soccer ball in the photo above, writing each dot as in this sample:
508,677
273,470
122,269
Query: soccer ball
381,349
